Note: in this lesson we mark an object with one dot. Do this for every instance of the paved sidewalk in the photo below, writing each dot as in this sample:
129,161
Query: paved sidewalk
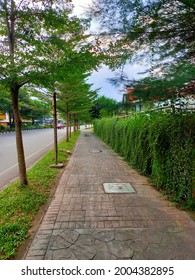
83,222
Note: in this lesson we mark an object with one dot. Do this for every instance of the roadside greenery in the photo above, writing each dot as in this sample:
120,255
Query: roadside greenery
25,127
160,146
104,107
19,204
41,43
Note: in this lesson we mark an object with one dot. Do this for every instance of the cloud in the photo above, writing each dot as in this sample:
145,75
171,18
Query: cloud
99,79
80,6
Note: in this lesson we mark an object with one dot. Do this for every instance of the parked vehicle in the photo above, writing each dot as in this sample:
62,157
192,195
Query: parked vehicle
60,126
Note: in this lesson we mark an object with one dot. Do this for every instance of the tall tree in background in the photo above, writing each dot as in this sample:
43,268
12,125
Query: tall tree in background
33,109
75,97
5,102
104,107
180,78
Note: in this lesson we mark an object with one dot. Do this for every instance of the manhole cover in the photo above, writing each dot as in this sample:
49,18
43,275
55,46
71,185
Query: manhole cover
95,151
118,188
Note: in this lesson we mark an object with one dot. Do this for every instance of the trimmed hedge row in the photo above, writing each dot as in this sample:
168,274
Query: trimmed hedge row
160,146
24,127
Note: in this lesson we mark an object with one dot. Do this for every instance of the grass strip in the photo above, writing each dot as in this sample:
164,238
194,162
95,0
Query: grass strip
19,205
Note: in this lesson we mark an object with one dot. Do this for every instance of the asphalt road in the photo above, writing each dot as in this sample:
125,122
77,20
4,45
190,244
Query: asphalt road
36,144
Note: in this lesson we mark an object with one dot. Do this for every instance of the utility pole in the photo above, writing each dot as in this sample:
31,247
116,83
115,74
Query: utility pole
56,165
55,126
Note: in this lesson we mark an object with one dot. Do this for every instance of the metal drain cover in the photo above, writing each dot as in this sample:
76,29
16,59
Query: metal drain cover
118,188
95,151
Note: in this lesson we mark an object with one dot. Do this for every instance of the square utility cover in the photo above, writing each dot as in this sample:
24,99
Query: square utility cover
118,188
95,151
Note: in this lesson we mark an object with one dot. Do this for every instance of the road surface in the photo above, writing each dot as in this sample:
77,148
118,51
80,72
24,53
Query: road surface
36,144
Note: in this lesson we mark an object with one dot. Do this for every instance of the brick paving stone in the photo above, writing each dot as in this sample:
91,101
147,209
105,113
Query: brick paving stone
36,253
138,245
105,236
84,222
63,255
102,255
120,249
58,242
125,235
83,252
34,257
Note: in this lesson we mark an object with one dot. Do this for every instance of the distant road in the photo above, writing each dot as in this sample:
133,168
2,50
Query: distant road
36,144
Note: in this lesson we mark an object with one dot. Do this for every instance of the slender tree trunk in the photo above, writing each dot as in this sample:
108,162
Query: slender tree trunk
67,122
19,141
75,125
14,88
10,119
55,127
70,132
13,122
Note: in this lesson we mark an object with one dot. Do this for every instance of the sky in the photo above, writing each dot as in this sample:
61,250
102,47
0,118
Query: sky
99,78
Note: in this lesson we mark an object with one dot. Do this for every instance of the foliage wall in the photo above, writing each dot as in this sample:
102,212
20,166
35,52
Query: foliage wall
160,146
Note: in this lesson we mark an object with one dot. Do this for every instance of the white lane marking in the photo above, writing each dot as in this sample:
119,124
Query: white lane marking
8,169
16,164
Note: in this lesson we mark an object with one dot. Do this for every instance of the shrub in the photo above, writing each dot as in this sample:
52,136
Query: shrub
160,146
2,128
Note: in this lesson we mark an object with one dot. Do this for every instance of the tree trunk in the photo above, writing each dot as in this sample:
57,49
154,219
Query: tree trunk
70,132
55,127
75,124
19,141
10,120
67,122
13,122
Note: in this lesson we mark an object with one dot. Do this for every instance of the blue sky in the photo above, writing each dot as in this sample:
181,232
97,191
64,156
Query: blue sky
99,79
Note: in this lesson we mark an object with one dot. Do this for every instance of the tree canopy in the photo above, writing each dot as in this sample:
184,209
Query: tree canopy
161,26
160,33
104,107
39,40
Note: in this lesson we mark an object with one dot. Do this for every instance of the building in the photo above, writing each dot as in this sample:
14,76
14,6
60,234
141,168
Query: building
128,98
4,119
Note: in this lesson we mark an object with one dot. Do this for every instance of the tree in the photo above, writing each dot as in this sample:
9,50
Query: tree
104,107
5,104
33,109
75,97
27,30
160,32
168,86
161,26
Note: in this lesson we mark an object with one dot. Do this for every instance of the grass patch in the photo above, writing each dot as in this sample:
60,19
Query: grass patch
19,205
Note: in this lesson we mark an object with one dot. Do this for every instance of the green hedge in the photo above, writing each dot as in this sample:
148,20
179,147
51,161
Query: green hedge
160,146
25,127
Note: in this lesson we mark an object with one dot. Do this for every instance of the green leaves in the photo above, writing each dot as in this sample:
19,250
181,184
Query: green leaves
104,107
43,37
159,146
158,33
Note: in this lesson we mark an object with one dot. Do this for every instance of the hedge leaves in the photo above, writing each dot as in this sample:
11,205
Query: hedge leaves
160,146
